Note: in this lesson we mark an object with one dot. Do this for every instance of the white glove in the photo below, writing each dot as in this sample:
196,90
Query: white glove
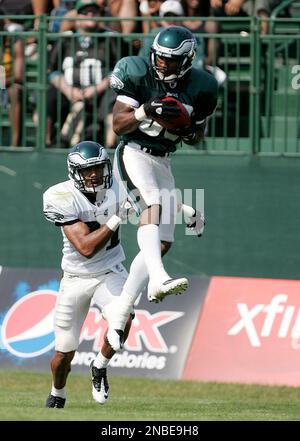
196,223
195,219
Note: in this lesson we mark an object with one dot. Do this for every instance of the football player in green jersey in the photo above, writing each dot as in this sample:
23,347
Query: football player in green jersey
142,159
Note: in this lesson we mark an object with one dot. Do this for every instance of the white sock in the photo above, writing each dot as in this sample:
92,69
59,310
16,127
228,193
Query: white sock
101,361
58,392
149,243
136,281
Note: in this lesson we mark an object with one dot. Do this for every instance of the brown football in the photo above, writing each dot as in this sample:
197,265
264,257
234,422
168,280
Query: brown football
181,121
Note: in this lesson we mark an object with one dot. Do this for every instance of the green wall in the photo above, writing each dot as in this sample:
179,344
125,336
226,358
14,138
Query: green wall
252,210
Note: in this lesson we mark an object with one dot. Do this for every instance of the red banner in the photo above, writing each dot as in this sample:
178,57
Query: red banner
248,332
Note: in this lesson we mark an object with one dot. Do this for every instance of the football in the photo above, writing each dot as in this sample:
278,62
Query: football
181,121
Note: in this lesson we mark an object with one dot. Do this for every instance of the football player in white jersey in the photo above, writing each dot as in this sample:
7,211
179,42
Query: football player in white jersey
89,210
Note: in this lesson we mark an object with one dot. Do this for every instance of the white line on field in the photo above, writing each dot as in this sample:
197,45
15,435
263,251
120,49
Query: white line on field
7,170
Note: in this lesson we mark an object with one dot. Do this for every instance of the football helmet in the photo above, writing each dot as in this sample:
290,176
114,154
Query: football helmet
176,43
84,155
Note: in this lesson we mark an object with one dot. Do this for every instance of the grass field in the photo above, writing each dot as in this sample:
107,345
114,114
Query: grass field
22,397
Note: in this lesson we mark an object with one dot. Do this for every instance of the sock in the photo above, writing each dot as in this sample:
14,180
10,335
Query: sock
58,392
149,243
101,361
136,281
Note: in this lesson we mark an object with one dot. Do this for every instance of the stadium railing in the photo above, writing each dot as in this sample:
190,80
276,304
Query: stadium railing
258,109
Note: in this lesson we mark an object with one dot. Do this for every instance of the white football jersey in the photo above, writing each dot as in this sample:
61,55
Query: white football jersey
63,203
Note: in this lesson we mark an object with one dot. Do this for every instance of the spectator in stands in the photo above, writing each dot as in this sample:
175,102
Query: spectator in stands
16,7
122,9
41,7
12,58
111,8
242,8
79,78
201,8
149,8
125,9
56,8
70,25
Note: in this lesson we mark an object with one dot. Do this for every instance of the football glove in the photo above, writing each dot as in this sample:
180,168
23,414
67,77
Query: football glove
196,223
188,134
164,109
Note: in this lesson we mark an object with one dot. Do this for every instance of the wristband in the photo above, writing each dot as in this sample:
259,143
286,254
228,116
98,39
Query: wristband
140,114
114,222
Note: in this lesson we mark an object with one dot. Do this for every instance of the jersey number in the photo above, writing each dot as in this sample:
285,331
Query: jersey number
90,71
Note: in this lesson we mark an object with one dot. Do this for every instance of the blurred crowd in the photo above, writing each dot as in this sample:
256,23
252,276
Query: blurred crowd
79,100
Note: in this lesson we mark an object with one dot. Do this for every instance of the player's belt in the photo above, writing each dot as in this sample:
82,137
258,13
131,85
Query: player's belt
148,150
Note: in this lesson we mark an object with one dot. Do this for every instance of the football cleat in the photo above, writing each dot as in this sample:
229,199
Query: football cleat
156,293
116,314
53,401
100,385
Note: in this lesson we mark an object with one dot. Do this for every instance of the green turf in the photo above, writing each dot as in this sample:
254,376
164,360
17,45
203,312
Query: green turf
22,397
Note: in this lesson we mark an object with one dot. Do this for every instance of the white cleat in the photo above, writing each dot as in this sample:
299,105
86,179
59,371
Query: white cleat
116,314
100,385
156,293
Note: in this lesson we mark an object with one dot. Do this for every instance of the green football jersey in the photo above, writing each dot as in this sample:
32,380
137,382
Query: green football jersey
133,77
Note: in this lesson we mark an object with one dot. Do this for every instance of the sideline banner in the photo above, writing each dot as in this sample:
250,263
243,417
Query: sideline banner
248,332
157,346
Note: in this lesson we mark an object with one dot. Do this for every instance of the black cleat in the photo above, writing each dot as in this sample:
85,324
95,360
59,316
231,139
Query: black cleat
100,385
53,401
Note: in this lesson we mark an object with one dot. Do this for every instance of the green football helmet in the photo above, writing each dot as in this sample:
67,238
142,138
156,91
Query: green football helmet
84,155
176,43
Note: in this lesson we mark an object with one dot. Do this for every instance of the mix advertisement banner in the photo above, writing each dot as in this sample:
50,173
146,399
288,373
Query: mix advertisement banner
226,329
249,332
157,346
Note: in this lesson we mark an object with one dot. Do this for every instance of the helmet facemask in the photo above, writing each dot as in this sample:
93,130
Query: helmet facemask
184,65
81,182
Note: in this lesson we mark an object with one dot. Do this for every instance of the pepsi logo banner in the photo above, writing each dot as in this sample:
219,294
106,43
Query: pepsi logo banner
249,332
157,346
27,329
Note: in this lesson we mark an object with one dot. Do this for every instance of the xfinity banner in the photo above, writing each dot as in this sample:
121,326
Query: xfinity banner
249,332
157,346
